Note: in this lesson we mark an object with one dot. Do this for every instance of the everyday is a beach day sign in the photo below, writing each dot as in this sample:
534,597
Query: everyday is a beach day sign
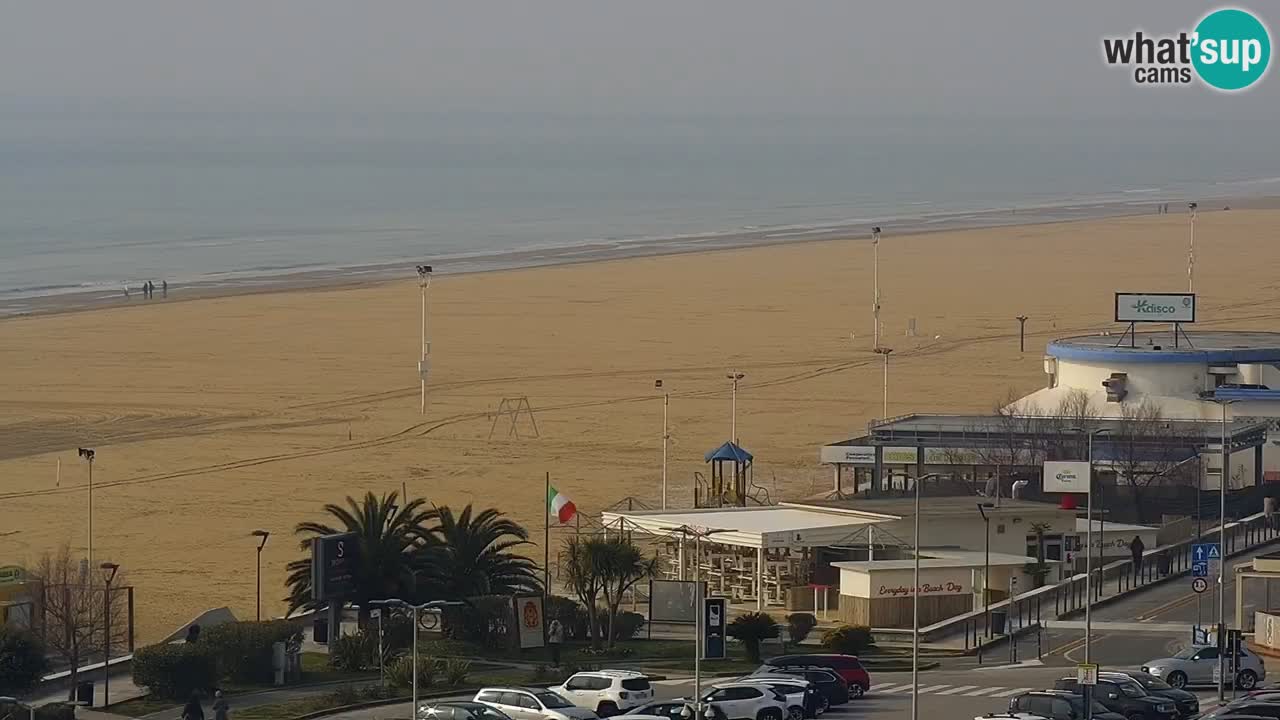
1156,307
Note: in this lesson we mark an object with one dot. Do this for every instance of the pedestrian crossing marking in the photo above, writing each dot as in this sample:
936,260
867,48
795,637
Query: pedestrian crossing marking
933,688
1014,691
891,688
957,689
982,691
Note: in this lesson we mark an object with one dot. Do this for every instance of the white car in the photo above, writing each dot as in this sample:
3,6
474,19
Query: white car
523,703
747,701
802,697
608,692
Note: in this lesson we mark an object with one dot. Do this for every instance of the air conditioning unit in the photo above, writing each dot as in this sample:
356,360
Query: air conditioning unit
1116,386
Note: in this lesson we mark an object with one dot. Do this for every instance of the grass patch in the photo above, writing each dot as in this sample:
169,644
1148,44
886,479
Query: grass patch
139,706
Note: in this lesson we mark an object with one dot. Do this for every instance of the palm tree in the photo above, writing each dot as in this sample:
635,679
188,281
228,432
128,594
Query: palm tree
473,556
392,541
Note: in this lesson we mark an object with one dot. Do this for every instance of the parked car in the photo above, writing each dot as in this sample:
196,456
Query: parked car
1056,705
608,692
832,686
747,701
1125,697
461,710
848,667
673,709
1188,704
1198,665
523,703
803,698
1244,707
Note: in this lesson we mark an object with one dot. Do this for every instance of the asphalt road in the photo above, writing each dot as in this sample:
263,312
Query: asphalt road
950,694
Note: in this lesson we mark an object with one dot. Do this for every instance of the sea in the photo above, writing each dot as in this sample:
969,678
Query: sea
203,200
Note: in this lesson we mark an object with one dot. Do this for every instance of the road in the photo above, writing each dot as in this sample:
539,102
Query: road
951,694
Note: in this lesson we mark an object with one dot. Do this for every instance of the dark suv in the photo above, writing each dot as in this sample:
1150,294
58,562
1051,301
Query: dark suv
1188,704
1125,697
830,685
1058,705
848,667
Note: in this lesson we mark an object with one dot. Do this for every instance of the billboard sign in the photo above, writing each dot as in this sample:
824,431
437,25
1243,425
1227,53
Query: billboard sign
1066,476
672,601
866,455
335,560
529,618
714,620
1156,307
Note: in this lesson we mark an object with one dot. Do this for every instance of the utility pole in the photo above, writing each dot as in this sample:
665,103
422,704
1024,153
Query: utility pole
875,278
884,351
424,362
666,437
1191,248
734,376
88,454
1022,333
262,535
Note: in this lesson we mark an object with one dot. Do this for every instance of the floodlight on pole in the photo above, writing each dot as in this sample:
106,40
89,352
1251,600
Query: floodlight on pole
111,568
884,351
1022,332
1191,247
986,565
875,282
666,438
88,454
1223,478
1088,561
424,362
262,536
734,377
915,604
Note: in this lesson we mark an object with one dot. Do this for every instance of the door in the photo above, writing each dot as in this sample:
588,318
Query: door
578,690
1202,665
736,702
509,703
530,708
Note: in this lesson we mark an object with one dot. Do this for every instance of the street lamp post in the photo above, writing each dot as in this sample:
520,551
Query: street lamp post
415,609
686,532
666,438
424,282
262,535
1191,248
1088,565
915,606
1223,478
1022,332
875,281
88,454
986,566
111,569
734,377
884,351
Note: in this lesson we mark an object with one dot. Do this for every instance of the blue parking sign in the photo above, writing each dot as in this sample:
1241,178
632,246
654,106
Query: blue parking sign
1200,569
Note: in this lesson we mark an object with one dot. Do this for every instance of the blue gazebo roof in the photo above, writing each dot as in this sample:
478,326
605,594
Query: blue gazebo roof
729,452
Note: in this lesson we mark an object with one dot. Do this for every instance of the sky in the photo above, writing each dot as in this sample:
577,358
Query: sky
854,59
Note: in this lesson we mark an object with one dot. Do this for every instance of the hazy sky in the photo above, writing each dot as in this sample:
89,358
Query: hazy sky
939,58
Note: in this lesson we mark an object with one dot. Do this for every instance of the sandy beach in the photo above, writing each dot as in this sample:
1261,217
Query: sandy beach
215,417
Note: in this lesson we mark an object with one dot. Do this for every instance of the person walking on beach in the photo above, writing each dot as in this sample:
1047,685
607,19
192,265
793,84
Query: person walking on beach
555,637
220,706
164,288
1136,547
193,710
126,292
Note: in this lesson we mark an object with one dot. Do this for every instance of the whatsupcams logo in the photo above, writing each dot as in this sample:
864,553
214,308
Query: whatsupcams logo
1229,49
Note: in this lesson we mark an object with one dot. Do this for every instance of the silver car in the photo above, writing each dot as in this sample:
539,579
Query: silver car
1198,665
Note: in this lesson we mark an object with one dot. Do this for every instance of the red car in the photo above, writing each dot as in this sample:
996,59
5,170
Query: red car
846,666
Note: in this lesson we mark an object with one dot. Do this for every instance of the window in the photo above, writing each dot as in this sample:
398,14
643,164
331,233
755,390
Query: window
736,693
488,713
527,702
579,682
1038,705
1133,690
1209,653
510,699
1060,708
491,696
550,700
635,684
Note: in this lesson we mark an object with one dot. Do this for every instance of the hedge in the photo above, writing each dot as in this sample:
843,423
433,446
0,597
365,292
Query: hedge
22,661
242,650
175,671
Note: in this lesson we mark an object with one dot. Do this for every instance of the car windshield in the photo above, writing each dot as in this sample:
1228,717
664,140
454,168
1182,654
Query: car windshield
636,684
1132,689
1187,653
1153,683
552,701
487,713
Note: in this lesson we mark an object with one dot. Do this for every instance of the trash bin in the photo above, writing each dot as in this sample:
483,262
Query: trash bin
999,618
84,693
320,631
1162,565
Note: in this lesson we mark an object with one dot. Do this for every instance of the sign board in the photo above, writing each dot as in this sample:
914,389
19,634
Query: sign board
1205,553
1070,476
672,601
1087,674
11,575
866,455
1199,585
714,620
335,560
1199,569
1156,307
529,619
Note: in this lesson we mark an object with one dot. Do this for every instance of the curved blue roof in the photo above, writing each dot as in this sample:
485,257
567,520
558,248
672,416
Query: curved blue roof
1158,347
729,452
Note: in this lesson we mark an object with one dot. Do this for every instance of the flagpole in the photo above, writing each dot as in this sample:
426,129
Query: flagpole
546,539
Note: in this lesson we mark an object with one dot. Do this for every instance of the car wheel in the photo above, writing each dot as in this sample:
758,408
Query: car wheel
1137,716
824,704
1177,679
856,690
769,714
607,709
1246,680
795,712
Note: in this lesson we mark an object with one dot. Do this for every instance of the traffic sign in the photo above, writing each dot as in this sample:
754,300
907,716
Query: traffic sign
1199,585
1199,569
1087,674
1205,552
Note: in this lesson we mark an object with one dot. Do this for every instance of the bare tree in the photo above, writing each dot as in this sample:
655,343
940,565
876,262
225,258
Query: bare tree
1143,454
74,608
1012,440
1065,435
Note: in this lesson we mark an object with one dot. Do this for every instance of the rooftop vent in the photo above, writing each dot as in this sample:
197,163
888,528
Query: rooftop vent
1116,387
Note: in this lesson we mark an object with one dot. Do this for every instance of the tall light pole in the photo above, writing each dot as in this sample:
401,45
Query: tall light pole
415,609
1022,332
666,437
262,536
1191,248
1223,478
734,377
884,351
111,568
875,281
424,363
88,454
986,566
688,531
1088,563
915,607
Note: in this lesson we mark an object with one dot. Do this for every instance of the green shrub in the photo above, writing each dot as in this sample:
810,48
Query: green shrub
56,711
175,671
373,692
485,621
242,650
400,672
750,629
347,694
22,661
456,670
353,653
799,625
848,639
572,616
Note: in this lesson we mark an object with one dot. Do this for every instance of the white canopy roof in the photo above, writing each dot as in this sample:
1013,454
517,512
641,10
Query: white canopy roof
754,527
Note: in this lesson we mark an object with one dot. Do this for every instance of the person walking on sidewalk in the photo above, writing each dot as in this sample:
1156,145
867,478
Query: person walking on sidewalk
220,706
555,637
1136,548
193,710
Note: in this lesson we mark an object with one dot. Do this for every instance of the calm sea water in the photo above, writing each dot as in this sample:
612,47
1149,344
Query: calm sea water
225,202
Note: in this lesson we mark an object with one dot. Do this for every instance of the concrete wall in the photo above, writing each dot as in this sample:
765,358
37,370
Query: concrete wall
1009,530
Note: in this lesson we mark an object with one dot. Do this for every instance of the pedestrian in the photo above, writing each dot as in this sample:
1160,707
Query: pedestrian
1136,547
555,637
220,706
993,487
126,292
164,288
151,290
1269,511
193,710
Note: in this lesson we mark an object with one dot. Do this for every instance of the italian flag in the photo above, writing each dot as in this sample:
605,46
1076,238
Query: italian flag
560,505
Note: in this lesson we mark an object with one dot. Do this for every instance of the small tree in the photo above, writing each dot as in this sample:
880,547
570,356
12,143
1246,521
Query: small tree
848,639
750,629
584,576
74,607
22,661
799,625
622,566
